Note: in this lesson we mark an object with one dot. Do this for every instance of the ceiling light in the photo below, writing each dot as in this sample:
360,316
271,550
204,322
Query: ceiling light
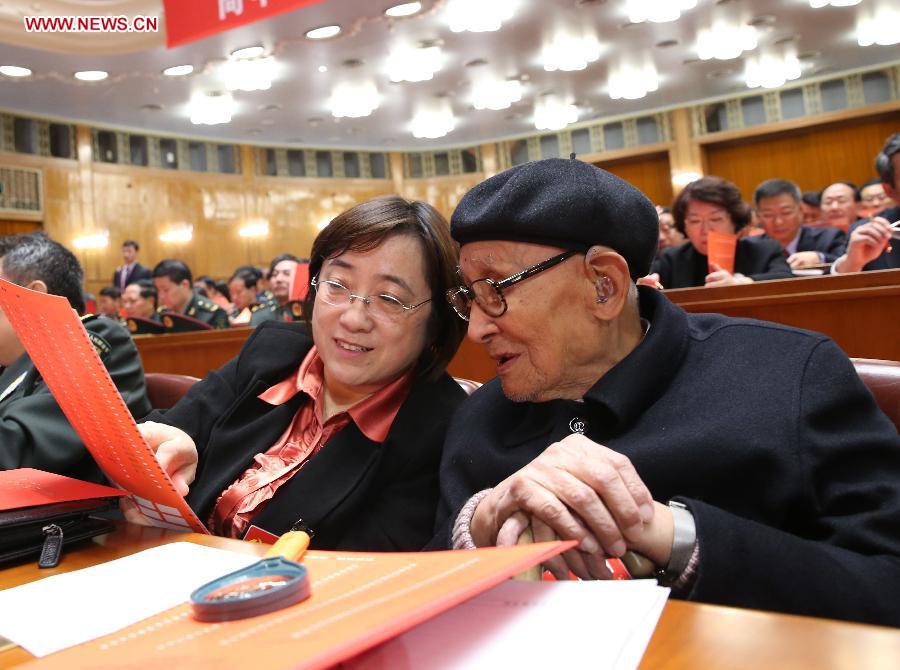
184,233
95,241
833,3
489,93
631,82
433,119
406,9
657,11
249,74
211,108
248,52
323,68
478,16
771,69
323,33
354,99
551,113
14,71
178,70
412,64
91,75
725,41
254,228
878,26
682,179
569,53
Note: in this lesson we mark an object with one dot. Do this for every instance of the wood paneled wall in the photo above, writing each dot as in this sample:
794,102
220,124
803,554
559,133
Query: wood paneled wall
651,174
813,157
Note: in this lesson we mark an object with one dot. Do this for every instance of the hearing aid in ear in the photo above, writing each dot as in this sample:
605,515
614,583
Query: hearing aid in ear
605,289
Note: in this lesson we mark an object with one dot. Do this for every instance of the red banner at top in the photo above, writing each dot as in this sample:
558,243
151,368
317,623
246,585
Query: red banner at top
194,20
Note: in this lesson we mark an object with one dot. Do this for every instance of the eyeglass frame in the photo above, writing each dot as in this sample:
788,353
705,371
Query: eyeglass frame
498,286
365,299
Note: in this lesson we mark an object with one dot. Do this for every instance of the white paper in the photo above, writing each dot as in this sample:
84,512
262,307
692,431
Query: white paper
64,610
599,624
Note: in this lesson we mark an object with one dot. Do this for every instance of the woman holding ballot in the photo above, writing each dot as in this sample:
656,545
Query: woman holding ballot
338,423
714,205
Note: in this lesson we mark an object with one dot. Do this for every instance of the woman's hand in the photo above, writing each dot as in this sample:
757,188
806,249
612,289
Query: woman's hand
720,277
175,451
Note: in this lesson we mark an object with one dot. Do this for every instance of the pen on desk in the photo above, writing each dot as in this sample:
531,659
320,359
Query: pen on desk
292,545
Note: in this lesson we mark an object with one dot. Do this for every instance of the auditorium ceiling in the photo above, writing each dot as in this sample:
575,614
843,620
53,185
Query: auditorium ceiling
551,63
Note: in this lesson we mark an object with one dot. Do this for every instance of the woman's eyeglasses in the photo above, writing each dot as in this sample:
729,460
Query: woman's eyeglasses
382,306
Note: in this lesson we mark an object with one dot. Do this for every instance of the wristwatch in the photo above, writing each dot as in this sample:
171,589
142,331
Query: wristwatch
684,538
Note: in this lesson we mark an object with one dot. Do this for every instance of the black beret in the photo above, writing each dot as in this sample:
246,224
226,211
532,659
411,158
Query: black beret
562,203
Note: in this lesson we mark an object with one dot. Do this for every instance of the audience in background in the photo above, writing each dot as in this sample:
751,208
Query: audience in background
243,287
669,235
109,303
174,284
777,203
216,291
840,205
140,300
872,198
810,203
714,204
281,278
34,432
130,270
870,246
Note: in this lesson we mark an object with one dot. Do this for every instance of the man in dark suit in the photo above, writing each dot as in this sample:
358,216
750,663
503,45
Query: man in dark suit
777,203
873,244
130,271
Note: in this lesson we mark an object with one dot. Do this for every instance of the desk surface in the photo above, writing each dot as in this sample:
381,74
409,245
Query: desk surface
688,635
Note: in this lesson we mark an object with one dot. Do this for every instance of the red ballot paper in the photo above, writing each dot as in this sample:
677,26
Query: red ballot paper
300,282
58,344
358,600
720,248
27,487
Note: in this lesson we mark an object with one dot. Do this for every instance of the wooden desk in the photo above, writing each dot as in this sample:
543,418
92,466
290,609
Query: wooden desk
192,354
689,636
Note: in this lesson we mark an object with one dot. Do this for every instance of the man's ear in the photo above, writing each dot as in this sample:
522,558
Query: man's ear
891,192
37,285
608,272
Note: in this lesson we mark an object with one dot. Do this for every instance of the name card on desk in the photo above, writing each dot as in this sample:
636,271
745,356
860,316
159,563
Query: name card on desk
358,600
60,348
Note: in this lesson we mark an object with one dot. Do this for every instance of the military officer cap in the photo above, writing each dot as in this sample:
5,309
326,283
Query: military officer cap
562,203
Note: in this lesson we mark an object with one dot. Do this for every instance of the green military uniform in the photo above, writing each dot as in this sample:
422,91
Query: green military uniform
204,310
272,311
34,433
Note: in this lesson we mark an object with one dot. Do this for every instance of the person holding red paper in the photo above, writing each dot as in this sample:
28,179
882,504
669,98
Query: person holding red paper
34,433
342,429
714,204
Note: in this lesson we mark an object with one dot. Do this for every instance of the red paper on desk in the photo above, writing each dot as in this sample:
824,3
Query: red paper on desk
27,487
58,344
358,601
720,249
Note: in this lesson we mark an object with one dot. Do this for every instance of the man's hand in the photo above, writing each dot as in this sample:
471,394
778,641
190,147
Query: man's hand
576,490
804,259
866,244
175,451
720,277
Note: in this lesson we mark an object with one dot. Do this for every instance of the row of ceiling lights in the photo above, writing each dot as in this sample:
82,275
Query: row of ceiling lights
629,78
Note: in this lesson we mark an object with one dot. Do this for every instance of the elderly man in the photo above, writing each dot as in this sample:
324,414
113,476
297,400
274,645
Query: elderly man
777,203
840,205
34,433
874,244
745,459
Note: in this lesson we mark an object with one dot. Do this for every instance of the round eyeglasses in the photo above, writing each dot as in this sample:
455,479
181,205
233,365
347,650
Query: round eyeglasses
488,294
382,306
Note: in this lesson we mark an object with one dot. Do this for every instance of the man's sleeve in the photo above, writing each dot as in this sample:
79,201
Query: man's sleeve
773,261
837,551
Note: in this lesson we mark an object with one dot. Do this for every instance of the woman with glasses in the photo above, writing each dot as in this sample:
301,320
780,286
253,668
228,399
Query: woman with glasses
339,426
714,204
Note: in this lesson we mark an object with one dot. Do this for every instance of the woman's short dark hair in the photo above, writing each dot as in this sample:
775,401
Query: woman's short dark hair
364,227
716,191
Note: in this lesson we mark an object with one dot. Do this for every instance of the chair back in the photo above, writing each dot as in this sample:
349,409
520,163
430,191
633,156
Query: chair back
165,389
883,380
